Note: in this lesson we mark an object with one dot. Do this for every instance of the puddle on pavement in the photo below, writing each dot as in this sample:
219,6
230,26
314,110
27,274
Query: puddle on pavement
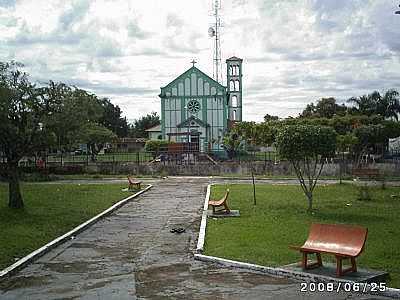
240,278
71,267
162,273
23,282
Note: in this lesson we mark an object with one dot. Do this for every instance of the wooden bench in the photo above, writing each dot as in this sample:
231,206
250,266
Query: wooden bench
218,203
366,173
343,241
134,184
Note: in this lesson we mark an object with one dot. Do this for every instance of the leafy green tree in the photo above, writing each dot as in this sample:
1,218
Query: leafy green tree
112,118
23,111
95,136
75,109
251,133
156,146
345,143
139,127
325,108
268,118
387,106
306,147
232,144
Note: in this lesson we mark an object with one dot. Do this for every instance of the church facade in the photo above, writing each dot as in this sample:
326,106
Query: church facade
197,109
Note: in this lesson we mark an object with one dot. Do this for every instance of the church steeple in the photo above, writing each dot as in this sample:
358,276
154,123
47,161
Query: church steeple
234,85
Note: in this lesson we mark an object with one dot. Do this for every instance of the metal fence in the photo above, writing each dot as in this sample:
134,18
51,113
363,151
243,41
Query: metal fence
142,157
177,157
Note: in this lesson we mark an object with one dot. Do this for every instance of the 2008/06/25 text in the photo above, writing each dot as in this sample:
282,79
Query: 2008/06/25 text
342,286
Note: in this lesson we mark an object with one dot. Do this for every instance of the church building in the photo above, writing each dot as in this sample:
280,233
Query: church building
198,110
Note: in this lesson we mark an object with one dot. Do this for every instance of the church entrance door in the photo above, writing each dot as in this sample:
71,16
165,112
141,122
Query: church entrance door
194,143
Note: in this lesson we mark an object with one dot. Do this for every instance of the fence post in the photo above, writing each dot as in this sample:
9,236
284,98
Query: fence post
137,158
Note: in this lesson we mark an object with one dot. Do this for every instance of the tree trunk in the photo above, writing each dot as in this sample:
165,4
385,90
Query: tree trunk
14,191
310,200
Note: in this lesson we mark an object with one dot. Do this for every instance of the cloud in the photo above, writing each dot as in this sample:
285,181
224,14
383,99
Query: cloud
294,51
74,14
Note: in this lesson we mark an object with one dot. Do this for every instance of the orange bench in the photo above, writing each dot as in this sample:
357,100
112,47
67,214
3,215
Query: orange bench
343,241
219,203
134,184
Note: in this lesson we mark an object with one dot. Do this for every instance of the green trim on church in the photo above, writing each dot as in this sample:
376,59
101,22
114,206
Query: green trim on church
194,107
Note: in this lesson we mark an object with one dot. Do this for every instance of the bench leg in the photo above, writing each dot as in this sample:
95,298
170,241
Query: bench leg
339,266
353,264
319,259
304,262
226,208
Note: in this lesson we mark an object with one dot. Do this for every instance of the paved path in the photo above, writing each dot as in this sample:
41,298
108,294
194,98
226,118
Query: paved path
131,254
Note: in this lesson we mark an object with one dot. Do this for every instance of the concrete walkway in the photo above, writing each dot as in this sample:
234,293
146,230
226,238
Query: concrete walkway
132,255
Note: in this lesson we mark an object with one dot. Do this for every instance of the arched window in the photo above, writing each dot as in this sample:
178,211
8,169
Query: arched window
236,70
234,101
236,85
230,70
231,85
234,115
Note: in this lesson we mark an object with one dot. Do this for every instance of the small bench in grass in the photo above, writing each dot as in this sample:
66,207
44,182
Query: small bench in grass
366,173
134,184
220,203
343,241
363,174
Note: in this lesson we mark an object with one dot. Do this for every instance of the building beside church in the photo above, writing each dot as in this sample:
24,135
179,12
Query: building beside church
198,110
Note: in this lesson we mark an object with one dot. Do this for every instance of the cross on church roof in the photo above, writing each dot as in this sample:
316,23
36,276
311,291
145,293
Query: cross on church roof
193,62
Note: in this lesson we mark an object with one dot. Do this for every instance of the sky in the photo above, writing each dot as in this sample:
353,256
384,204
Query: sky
294,51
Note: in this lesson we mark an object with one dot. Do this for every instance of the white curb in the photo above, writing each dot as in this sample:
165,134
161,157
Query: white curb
279,272
54,243
203,224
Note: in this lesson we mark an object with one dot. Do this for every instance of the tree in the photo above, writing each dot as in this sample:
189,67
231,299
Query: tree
112,119
23,111
325,108
95,136
75,109
345,143
156,147
388,106
268,118
139,127
249,133
232,144
306,147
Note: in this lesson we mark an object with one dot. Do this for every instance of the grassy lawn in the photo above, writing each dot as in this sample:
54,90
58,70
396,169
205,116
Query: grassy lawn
50,211
262,235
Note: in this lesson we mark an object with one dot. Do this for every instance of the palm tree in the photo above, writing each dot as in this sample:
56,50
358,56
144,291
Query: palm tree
365,104
389,105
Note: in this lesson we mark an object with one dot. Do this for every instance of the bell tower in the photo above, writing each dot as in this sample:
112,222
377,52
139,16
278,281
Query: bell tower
234,85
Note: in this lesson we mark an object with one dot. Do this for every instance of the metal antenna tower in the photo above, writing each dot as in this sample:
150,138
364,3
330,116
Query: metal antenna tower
214,31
